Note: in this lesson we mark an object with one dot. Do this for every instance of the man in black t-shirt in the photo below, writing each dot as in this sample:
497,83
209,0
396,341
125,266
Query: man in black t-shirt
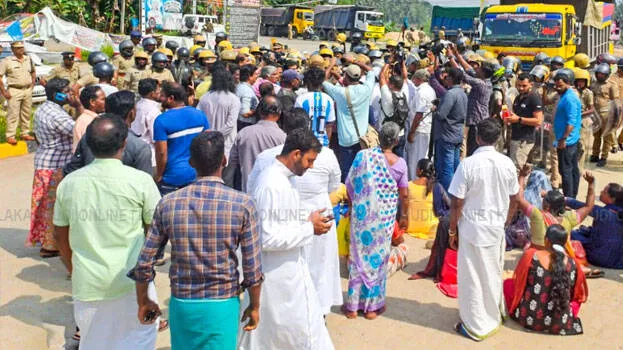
526,116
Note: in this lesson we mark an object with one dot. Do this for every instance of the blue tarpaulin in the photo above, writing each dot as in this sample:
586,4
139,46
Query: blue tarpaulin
15,31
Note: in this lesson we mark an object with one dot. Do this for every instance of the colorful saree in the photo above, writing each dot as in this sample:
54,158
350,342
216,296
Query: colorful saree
374,197
42,208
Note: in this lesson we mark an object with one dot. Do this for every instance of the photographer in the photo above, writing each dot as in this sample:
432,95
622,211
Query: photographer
394,100
478,77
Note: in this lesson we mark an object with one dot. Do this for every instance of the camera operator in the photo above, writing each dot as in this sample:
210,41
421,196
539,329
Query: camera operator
394,100
478,77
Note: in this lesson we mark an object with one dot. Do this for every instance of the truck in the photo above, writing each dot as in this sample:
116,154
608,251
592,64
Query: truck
555,27
454,18
329,20
277,21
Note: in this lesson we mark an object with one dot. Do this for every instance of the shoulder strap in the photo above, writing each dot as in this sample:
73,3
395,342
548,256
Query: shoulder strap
350,108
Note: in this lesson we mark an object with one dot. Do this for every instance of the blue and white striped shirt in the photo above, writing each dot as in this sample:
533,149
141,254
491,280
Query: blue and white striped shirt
321,110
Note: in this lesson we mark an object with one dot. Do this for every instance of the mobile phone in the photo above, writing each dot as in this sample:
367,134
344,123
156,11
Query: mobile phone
151,315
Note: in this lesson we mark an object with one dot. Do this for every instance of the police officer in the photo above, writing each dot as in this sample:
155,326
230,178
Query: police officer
158,38
20,78
136,36
105,72
604,91
133,76
124,61
355,40
67,70
619,81
172,45
220,36
95,57
149,45
158,69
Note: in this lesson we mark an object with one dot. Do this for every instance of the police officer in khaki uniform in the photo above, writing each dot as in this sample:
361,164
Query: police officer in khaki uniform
20,77
604,90
68,70
619,81
133,75
87,79
124,61
158,68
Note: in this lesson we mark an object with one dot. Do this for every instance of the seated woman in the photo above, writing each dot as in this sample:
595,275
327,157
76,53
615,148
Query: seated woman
422,220
554,211
547,288
398,255
603,241
518,233
377,186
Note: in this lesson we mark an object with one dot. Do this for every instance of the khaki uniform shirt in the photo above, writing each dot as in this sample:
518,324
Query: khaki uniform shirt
123,65
88,79
604,93
72,74
18,74
165,75
131,79
618,80
549,109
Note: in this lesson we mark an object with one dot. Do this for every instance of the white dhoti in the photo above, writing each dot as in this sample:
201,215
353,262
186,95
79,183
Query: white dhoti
113,324
416,151
481,301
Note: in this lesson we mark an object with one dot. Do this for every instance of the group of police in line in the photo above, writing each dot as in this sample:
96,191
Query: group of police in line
146,57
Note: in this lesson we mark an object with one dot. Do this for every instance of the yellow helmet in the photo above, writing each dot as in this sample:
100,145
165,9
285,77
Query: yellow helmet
166,51
199,38
372,46
316,61
228,55
254,49
341,38
207,54
581,60
193,48
487,55
391,43
244,51
276,44
141,54
251,59
326,51
363,59
580,73
324,43
225,45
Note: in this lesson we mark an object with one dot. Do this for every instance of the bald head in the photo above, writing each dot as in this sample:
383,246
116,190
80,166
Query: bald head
106,136
269,108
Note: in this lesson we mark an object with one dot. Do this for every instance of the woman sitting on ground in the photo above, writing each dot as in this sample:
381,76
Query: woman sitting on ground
603,241
547,288
422,219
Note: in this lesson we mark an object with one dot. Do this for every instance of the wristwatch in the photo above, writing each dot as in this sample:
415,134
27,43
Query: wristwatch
451,233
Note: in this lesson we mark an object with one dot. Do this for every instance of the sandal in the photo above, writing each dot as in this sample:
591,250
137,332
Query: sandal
595,273
460,329
417,276
163,325
349,314
45,254
76,335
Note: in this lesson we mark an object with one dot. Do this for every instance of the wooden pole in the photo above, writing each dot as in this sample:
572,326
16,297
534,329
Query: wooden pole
122,25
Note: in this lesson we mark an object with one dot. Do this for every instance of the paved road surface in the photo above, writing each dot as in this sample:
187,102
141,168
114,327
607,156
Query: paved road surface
36,308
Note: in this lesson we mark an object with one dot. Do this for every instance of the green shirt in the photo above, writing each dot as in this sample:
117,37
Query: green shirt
538,226
105,205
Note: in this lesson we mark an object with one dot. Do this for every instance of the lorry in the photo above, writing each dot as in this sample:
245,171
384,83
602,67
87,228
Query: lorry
277,21
556,27
454,18
329,20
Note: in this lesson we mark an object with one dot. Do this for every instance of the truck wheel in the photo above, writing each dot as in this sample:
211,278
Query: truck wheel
322,34
271,31
331,35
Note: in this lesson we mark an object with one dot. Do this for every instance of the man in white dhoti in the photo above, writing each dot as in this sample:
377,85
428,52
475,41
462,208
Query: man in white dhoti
484,187
291,317
420,122
314,188
100,216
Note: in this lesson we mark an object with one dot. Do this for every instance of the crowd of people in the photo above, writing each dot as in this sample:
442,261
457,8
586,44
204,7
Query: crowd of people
244,159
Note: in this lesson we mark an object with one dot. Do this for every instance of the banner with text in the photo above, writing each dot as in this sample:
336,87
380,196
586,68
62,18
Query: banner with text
242,21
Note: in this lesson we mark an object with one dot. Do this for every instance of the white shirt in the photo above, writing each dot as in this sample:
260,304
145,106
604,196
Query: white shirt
108,89
143,125
485,181
422,103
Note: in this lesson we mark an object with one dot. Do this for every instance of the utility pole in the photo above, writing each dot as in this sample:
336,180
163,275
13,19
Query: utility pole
194,7
122,25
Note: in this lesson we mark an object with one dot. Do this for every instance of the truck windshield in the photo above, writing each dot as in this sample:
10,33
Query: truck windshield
308,16
522,28
374,19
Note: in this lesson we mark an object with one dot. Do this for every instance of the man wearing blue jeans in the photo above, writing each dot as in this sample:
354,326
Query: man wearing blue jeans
448,127
567,125
347,135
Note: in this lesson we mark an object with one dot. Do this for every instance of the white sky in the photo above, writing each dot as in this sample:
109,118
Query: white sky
462,3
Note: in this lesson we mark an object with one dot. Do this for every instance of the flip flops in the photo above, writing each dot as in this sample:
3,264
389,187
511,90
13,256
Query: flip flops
595,274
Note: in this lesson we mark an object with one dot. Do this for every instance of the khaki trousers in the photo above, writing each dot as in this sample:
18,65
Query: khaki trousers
585,142
519,152
19,107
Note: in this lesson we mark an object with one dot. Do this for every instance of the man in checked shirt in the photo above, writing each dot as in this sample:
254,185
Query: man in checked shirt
205,221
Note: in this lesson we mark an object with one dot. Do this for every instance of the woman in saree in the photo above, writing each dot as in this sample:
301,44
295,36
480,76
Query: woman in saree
377,186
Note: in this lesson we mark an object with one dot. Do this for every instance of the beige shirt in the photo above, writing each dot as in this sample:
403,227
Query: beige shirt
18,74
123,65
165,75
604,93
81,126
72,74
131,79
88,79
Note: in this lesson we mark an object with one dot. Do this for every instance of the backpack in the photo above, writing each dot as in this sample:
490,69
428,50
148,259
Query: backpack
401,110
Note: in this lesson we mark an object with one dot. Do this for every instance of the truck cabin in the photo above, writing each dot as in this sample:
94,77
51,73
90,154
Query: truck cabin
368,18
